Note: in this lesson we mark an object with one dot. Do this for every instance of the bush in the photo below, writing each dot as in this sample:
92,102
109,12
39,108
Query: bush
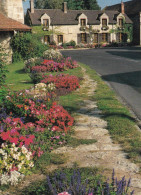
51,54
71,43
27,45
35,77
32,62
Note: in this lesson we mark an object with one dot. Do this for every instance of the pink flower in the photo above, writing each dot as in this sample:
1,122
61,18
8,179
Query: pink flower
64,193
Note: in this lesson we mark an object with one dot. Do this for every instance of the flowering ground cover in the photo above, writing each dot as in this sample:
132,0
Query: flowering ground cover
59,65
28,128
62,81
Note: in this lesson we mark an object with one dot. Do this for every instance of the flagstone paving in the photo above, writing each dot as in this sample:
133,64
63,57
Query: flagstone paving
104,153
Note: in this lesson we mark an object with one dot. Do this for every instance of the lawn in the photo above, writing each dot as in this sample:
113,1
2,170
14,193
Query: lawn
16,78
121,123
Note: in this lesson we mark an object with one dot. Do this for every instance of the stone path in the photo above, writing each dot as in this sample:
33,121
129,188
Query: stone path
104,153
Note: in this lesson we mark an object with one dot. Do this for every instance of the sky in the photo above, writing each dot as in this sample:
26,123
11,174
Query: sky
102,3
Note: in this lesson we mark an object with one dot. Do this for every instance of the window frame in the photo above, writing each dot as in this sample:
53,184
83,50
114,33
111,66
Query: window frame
83,37
105,37
60,38
104,23
83,22
120,22
95,38
46,22
47,37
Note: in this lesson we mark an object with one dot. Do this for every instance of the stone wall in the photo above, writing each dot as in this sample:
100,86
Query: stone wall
72,32
5,38
13,9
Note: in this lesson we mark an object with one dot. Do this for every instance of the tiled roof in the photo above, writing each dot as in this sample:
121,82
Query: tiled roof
131,7
8,24
58,17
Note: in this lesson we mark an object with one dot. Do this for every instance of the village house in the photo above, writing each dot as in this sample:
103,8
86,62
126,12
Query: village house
81,26
11,22
133,10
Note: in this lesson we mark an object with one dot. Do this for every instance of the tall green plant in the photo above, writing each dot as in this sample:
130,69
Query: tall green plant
3,68
126,29
27,45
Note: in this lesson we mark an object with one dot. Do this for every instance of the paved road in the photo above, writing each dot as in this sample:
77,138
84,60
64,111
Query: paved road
120,67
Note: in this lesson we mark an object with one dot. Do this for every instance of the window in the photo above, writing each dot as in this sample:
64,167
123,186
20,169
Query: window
121,36
46,39
83,38
104,22
121,22
46,22
104,37
95,37
83,22
60,38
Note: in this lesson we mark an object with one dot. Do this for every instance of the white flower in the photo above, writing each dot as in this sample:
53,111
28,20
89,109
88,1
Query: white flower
31,164
13,145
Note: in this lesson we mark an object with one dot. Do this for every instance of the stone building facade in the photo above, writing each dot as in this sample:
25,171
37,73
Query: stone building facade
12,9
133,10
81,26
11,22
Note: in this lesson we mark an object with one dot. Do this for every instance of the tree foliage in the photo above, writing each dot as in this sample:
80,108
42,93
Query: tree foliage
72,4
27,46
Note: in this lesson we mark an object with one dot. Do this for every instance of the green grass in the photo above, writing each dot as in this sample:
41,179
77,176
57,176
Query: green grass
16,78
74,142
47,159
121,123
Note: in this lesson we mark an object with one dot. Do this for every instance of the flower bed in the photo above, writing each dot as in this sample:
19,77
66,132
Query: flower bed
82,181
28,128
62,81
52,66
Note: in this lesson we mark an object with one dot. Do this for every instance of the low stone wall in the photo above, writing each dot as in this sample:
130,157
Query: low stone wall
5,38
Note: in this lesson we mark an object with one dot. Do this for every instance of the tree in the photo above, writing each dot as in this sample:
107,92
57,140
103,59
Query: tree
48,4
91,5
72,4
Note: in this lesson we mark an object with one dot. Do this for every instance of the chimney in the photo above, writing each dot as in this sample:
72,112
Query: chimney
65,9
122,8
32,6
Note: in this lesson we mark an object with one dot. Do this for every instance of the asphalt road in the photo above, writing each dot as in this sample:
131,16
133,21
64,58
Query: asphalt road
120,67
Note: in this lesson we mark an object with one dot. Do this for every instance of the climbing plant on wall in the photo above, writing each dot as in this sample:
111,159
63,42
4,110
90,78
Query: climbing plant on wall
125,29
3,69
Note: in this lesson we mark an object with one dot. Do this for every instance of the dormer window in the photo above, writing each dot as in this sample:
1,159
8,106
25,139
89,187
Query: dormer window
83,22
46,22
104,22
121,22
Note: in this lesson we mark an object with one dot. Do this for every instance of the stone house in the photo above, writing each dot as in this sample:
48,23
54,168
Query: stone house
133,10
11,22
81,26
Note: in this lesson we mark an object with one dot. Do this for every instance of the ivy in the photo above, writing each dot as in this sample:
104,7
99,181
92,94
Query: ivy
126,29
3,68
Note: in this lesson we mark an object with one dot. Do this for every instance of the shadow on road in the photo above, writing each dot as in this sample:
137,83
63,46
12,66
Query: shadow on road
130,78
135,55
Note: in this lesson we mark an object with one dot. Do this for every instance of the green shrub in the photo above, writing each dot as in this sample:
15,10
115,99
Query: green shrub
3,68
71,43
27,46
35,77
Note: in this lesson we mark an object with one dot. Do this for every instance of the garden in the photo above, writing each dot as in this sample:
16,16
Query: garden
36,118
